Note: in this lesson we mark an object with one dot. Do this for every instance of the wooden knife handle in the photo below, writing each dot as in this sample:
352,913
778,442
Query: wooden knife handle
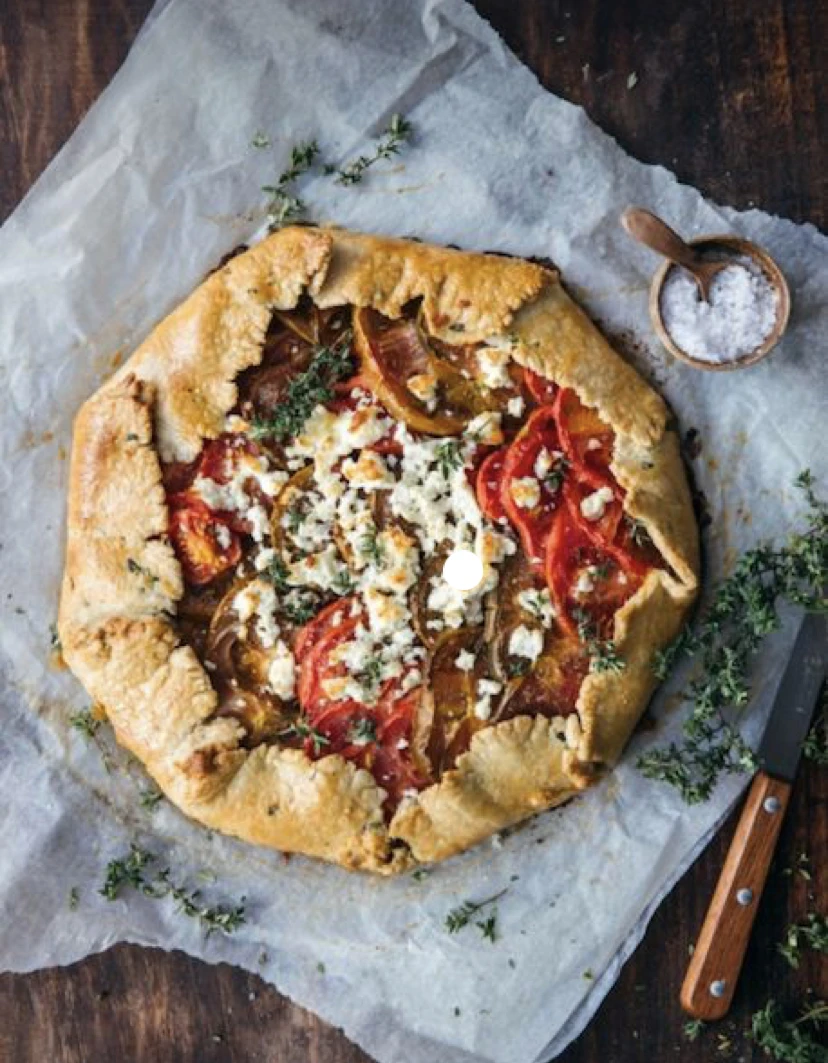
714,969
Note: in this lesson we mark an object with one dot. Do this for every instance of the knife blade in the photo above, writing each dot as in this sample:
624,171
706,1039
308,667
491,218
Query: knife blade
793,707
720,950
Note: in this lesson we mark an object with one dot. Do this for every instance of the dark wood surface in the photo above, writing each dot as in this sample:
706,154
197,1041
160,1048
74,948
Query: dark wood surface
731,95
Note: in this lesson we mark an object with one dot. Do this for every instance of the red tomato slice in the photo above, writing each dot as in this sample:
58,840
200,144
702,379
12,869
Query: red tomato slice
315,664
586,440
489,485
310,633
573,556
539,387
533,524
220,457
204,543
603,530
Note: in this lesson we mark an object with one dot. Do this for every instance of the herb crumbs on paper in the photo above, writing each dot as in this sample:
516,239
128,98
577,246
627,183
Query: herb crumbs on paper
461,916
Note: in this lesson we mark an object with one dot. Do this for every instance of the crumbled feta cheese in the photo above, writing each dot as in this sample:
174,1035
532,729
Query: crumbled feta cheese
258,599
526,492
465,661
368,472
494,366
223,536
424,387
485,428
584,584
593,444
515,406
486,690
281,673
538,603
543,463
526,642
594,506
324,570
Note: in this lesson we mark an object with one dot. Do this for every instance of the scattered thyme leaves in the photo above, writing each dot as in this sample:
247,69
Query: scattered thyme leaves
693,1029
371,548
343,583
811,934
74,898
306,391
362,732
797,1040
301,728
518,666
743,612
390,143
54,639
84,722
370,675
295,518
449,457
149,798
132,872
260,140
557,474
299,608
277,573
283,204
603,654
420,873
462,915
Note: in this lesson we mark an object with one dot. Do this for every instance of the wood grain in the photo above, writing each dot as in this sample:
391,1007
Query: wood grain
731,95
713,971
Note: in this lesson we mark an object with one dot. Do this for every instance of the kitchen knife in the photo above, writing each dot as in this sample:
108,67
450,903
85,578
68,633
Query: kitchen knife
717,959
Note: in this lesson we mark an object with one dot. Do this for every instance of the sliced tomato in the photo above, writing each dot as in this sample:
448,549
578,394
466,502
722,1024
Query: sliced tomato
316,663
310,634
204,543
220,457
583,578
541,388
553,685
602,530
587,441
395,767
533,524
490,483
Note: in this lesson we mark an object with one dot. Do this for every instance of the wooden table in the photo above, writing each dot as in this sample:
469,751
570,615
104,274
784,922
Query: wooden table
730,95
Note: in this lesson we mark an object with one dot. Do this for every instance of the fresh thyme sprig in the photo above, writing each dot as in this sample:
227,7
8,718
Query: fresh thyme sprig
150,798
557,474
811,934
797,1040
131,872
726,639
299,607
371,548
603,654
460,917
362,732
277,572
449,457
390,143
301,728
306,391
370,676
84,722
283,204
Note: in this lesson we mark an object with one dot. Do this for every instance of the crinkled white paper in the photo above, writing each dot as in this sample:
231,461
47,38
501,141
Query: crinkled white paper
160,181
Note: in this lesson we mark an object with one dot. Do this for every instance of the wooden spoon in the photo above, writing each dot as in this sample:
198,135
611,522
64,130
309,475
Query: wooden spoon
659,237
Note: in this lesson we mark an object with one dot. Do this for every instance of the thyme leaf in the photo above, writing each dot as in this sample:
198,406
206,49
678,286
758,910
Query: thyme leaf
301,728
390,142
791,1040
811,934
449,457
744,610
283,204
362,732
149,798
84,722
603,654
131,872
306,391
461,916
557,474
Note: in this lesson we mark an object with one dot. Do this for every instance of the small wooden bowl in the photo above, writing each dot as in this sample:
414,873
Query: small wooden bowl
735,246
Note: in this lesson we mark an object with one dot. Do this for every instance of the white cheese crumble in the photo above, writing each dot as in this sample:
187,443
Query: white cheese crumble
281,673
593,444
424,387
594,506
526,492
257,601
538,603
526,642
465,661
486,690
494,366
515,406
543,463
585,584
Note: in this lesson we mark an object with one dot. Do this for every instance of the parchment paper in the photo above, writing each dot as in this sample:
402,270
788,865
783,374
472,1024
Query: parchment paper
158,182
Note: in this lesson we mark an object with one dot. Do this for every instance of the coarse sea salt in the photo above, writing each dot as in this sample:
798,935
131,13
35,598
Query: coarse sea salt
739,317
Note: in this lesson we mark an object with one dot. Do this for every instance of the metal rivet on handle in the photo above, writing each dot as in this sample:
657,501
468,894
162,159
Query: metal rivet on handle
772,804
717,988
744,897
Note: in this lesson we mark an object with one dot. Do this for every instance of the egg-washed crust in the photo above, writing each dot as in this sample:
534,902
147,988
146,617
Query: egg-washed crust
122,580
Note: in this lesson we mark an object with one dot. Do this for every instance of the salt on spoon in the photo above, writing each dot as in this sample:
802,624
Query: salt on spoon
719,302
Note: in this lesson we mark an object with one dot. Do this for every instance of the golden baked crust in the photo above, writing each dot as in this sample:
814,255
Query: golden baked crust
122,579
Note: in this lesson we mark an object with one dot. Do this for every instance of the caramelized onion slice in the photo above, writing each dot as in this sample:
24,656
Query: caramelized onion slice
450,694
391,353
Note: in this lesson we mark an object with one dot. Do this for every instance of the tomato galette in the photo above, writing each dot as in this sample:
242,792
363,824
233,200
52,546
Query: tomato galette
262,505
